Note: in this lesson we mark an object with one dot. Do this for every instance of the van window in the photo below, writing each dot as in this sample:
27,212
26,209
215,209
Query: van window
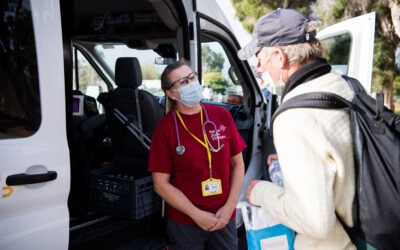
20,114
89,82
217,84
151,72
338,52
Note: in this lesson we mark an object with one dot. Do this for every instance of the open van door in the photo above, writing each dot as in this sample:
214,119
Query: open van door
350,47
34,171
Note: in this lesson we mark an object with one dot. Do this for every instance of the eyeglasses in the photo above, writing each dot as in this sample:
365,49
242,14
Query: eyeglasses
184,80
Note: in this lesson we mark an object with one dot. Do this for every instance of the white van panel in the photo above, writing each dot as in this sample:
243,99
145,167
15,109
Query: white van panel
36,216
362,31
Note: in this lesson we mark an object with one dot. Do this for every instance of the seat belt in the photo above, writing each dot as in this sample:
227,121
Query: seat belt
139,115
133,128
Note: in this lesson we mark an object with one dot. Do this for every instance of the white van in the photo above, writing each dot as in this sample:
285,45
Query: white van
57,57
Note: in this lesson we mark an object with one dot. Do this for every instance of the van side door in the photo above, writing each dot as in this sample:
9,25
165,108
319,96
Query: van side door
350,46
34,170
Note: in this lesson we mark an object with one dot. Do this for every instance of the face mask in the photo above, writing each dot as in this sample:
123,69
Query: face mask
275,88
191,93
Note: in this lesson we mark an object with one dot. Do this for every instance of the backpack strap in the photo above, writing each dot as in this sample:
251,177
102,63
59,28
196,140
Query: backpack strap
382,113
354,84
320,100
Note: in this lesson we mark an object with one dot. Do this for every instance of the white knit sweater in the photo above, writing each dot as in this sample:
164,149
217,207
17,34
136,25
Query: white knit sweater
314,147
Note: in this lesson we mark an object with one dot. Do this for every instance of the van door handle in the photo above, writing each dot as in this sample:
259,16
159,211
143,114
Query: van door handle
24,179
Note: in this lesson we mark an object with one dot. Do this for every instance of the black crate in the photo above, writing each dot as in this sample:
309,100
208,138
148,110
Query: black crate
119,193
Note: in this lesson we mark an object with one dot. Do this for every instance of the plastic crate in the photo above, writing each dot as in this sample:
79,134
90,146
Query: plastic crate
119,193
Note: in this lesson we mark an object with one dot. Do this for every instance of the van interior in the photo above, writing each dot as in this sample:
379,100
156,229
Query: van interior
114,54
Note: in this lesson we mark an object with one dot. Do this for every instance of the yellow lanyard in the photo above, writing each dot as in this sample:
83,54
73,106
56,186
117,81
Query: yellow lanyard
203,143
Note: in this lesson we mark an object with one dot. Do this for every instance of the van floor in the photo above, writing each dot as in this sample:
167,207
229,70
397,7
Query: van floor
107,232
115,233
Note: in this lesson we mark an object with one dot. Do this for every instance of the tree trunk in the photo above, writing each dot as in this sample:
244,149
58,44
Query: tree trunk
388,93
395,13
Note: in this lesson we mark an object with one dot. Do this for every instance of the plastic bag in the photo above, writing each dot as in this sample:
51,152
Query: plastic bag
264,232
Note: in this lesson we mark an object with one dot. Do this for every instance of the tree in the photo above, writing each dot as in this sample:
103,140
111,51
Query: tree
248,11
216,81
213,61
212,67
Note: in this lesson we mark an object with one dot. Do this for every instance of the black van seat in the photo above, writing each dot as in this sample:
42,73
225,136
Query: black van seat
87,134
128,77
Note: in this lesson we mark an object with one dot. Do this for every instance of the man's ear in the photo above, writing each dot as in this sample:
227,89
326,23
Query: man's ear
281,58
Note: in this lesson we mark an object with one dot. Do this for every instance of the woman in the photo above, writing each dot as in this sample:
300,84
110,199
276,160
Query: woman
197,165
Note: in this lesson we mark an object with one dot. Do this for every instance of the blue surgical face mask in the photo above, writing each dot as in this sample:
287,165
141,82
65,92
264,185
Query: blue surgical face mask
191,94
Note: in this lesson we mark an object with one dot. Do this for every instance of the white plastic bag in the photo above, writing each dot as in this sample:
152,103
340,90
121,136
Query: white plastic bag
263,232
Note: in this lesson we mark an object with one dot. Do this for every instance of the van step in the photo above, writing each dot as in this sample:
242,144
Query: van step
116,233
145,243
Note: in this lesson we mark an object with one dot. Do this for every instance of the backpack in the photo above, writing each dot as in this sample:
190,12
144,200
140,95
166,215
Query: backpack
376,144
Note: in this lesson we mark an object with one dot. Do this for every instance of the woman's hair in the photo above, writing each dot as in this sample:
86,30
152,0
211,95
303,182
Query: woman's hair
302,52
165,81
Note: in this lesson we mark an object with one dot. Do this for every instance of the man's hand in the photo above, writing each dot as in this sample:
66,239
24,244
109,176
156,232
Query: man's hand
271,158
250,188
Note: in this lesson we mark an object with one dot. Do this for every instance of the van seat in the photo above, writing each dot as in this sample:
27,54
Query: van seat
128,77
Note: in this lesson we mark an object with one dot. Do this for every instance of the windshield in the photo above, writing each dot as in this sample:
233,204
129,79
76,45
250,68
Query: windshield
150,71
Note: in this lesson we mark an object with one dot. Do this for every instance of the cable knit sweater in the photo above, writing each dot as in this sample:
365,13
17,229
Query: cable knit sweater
314,147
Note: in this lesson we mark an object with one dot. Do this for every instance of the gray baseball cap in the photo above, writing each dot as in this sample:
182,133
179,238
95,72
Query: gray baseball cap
277,28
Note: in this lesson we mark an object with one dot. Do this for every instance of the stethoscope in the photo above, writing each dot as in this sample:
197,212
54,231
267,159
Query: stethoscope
180,149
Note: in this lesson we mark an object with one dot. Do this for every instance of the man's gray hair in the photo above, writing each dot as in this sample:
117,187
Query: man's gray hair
302,52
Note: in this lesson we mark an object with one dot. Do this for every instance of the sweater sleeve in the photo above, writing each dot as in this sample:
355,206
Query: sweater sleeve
307,157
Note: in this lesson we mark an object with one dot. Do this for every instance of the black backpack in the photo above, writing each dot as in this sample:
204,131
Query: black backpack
376,144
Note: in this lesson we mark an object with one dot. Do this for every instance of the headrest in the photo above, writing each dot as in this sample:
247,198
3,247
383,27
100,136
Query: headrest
128,72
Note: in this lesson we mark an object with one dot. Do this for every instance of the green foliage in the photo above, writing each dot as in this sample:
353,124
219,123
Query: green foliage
337,49
396,85
212,61
385,69
216,81
213,64
248,11
384,53
339,9
381,78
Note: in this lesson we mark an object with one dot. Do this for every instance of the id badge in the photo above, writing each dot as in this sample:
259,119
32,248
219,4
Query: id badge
211,186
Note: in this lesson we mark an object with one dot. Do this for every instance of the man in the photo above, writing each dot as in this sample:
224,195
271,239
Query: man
234,98
314,146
